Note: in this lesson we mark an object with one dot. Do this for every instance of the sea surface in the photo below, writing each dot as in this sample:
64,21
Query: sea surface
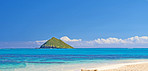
15,59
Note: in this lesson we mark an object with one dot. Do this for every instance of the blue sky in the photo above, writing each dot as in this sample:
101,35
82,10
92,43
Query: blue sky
33,20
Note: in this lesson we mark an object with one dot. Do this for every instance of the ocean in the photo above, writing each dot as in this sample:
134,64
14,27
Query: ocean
65,59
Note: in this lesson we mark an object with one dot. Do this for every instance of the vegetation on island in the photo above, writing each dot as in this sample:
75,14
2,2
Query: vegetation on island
55,43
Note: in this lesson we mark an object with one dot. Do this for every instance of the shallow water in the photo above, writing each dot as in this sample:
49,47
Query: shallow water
14,59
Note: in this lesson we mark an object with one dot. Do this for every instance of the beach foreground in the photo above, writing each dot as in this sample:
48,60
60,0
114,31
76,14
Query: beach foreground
139,66
134,67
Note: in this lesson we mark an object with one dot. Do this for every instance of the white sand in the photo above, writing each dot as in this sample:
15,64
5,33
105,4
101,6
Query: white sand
138,65
116,66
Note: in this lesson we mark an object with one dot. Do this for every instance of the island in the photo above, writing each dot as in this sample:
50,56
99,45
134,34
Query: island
55,43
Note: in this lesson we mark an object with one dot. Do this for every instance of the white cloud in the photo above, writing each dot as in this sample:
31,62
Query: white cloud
65,38
108,41
132,40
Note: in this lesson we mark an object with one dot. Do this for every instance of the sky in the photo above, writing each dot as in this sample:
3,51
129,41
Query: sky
80,23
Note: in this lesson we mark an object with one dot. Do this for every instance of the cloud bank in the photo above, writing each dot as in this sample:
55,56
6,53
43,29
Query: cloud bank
132,42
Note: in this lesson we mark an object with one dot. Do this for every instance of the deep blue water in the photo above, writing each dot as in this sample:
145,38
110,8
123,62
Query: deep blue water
16,58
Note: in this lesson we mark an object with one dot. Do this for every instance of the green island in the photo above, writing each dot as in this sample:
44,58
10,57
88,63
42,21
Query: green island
55,43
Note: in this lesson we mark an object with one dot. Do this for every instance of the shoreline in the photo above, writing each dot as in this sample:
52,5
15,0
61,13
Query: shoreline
116,65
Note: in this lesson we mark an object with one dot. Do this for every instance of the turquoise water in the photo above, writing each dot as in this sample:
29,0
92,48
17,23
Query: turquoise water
19,58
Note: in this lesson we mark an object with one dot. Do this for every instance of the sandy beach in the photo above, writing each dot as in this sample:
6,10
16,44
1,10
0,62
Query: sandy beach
137,66
132,67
